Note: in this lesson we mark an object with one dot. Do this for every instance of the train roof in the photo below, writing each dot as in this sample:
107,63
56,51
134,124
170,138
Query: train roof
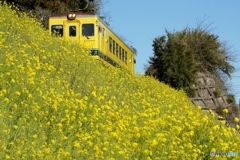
78,14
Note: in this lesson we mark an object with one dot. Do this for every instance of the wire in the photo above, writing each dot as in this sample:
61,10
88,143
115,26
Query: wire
86,5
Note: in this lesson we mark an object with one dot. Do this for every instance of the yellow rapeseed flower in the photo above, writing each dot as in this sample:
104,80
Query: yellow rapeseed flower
76,144
154,143
7,157
236,119
225,110
94,94
47,150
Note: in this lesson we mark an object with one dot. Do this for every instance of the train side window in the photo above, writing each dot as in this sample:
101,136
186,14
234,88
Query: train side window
120,56
123,56
120,50
126,57
88,29
57,30
114,47
117,49
103,30
110,44
72,31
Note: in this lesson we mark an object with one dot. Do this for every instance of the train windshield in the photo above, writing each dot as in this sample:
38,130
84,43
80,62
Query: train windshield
88,29
57,30
72,31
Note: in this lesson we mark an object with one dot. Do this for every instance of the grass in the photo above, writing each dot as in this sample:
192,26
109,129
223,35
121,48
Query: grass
56,102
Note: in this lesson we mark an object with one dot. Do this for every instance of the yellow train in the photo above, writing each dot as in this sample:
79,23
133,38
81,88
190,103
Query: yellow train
90,31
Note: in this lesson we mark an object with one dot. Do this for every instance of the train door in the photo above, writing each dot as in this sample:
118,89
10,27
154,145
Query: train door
89,37
104,46
101,43
72,30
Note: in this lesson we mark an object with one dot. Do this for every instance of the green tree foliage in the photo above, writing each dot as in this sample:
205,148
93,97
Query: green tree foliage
54,5
44,8
180,55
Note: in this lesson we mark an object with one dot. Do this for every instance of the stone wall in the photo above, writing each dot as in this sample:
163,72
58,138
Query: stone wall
210,92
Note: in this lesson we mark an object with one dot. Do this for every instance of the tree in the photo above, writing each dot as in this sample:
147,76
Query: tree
180,55
44,8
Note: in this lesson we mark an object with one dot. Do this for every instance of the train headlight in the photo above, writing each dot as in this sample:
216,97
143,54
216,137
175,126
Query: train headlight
71,16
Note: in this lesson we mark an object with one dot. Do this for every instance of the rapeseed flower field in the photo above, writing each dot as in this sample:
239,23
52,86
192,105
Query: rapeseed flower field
56,102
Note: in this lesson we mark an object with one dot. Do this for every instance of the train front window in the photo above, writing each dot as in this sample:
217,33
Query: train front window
88,29
72,31
57,30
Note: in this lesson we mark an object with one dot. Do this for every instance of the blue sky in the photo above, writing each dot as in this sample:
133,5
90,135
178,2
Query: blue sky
140,21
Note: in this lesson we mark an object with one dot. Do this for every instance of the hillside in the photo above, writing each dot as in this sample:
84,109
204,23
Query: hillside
56,102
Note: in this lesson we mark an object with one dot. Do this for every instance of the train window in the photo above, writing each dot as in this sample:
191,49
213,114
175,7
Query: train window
88,29
120,50
120,55
126,55
110,44
72,31
123,56
114,47
103,30
57,30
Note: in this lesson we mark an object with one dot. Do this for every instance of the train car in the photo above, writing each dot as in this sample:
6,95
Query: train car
90,31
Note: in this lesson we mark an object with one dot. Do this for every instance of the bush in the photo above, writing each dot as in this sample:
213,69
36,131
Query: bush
231,99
